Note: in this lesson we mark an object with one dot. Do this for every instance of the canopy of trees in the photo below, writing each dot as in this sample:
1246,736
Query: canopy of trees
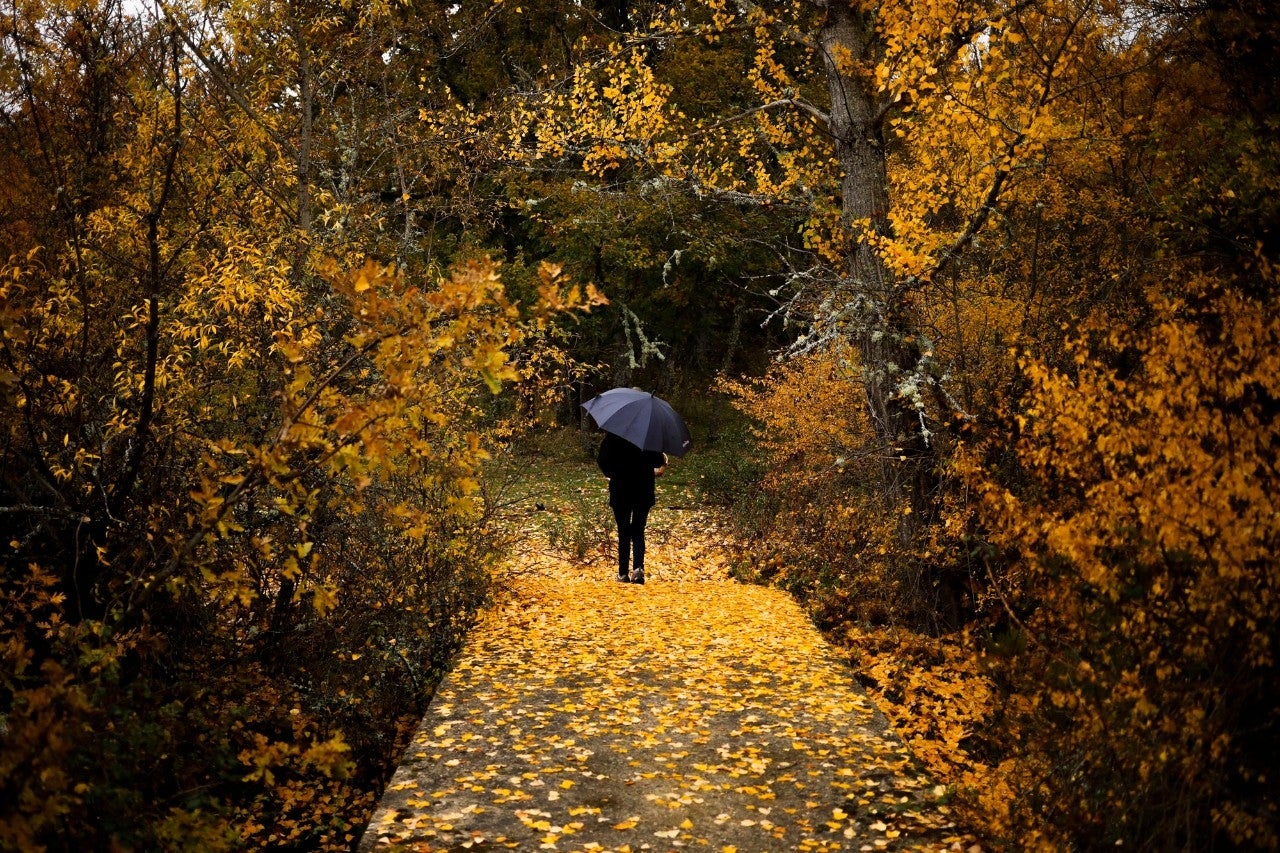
995,283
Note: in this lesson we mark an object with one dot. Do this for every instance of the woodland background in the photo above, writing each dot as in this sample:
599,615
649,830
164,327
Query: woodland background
971,305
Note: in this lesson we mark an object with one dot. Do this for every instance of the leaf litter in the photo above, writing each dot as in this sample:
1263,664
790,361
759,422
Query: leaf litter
692,712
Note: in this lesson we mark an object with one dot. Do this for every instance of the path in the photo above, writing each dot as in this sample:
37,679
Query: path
691,712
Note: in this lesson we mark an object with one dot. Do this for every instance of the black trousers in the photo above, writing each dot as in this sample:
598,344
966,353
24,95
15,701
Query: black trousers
631,521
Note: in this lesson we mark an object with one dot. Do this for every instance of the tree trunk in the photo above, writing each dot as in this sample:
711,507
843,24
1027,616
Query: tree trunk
883,329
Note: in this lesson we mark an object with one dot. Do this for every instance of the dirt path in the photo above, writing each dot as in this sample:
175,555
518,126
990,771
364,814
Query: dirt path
691,712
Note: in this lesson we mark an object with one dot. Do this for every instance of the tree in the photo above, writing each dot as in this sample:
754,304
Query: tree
975,183
241,452
853,109
671,253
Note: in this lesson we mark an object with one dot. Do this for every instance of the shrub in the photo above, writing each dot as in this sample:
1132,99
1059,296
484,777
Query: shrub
1139,570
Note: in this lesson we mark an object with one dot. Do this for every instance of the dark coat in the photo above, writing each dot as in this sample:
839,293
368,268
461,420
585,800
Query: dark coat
630,472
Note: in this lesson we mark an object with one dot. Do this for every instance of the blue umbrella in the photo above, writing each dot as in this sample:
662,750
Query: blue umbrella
646,421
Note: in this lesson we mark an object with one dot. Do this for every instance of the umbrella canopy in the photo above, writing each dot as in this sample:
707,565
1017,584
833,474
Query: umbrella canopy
646,421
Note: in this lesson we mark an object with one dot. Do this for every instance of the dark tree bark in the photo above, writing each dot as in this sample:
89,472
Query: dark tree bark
883,330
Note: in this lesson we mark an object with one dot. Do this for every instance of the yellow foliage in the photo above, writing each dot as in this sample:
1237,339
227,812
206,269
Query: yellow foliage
807,413
1144,543
816,525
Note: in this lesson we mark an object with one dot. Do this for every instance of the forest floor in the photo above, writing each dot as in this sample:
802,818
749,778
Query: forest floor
691,712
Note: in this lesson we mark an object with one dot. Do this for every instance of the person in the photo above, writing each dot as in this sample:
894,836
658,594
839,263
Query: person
632,473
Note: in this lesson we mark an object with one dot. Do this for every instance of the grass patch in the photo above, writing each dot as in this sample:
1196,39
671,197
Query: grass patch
552,501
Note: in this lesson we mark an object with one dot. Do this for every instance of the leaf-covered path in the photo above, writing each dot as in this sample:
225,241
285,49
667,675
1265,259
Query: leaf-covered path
691,712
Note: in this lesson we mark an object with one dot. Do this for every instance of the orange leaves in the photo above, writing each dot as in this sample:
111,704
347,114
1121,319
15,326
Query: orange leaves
1143,539
940,695
557,298
417,341
805,411
1163,452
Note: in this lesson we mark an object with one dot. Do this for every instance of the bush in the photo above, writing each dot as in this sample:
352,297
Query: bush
805,506
233,657
1139,560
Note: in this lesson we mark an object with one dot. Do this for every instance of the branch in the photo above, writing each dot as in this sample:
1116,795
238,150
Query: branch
219,77
137,447
952,253
35,509
798,103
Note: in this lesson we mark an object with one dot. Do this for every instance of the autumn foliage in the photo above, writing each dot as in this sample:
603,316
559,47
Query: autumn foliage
243,528
1086,652
1145,536
994,284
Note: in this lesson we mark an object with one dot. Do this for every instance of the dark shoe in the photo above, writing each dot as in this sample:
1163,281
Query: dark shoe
637,576
623,579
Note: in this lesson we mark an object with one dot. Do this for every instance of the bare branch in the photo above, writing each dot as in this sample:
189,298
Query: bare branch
798,103
35,509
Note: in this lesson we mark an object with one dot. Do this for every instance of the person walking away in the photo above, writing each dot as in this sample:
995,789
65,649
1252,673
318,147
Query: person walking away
632,473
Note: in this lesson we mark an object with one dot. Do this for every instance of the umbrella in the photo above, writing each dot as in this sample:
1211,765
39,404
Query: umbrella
646,421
